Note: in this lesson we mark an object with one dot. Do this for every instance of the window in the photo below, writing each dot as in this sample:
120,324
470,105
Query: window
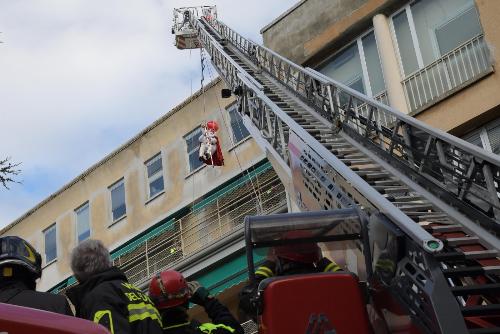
50,237
239,130
118,207
193,145
487,137
82,222
358,66
154,170
427,30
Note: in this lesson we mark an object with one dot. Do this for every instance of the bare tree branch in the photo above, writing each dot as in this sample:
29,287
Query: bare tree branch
8,170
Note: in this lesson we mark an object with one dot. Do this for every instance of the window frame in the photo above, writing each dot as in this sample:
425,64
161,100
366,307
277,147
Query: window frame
155,176
364,67
234,108
77,211
482,131
110,189
196,150
44,232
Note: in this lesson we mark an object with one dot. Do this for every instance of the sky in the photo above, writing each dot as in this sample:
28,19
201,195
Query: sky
78,78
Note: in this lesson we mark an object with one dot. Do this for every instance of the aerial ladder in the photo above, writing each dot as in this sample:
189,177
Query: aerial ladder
435,195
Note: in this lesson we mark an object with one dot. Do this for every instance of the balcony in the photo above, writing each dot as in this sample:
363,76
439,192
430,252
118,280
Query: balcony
455,70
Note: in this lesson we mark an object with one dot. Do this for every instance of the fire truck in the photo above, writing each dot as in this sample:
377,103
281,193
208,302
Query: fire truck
410,212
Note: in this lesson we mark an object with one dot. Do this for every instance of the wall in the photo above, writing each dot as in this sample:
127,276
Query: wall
311,31
181,186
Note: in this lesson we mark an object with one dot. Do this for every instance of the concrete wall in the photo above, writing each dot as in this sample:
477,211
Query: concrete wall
181,186
479,102
311,31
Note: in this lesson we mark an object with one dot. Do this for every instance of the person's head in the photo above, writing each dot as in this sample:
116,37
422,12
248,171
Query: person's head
169,289
306,253
89,258
19,260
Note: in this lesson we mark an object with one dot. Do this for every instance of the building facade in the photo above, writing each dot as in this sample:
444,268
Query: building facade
156,206
432,59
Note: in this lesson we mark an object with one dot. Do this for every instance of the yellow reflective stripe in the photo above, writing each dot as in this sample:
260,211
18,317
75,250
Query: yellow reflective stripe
332,267
98,317
209,327
176,326
385,264
141,311
264,271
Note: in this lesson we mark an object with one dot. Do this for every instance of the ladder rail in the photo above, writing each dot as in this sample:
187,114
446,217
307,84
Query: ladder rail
467,176
270,119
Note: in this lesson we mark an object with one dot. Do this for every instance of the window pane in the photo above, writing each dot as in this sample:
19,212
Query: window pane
118,201
239,130
193,144
346,68
50,244
83,223
494,137
405,43
459,30
156,186
373,64
154,166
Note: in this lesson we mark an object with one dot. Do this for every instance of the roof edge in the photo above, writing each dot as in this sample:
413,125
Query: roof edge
282,16
108,157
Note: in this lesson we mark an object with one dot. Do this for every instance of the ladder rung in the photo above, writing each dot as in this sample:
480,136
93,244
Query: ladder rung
470,311
491,330
462,241
472,255
445,228
475,289
471,271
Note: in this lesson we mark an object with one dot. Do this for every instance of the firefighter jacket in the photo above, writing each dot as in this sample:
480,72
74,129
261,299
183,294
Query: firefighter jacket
175,320
109,300
18,293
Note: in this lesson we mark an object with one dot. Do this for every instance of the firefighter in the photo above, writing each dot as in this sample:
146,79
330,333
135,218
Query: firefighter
171,294
105,296
290,259
20,267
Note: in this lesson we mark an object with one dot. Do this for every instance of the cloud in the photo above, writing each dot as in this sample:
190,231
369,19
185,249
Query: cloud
78,78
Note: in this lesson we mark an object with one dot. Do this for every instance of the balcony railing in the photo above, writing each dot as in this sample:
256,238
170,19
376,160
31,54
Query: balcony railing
453,71
195,231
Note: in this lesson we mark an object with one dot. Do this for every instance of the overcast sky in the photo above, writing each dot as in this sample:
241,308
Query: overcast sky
78,78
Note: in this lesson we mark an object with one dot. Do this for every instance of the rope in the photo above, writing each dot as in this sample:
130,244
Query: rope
232,139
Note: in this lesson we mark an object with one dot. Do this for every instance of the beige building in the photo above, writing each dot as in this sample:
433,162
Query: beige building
155,205
432,59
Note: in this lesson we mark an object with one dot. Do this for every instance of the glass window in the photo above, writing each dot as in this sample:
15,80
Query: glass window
346,68
154,171
82,222
493,132
239,130
50,236
373,64
487,137
118,206
405,43
193,146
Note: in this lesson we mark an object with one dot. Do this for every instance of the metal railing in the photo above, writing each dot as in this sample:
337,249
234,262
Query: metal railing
195,231
464,175
454,70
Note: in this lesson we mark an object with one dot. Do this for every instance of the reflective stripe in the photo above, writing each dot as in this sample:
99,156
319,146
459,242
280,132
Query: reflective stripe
333,267
100,318
177,326
208,328
264,271
142,311
385,264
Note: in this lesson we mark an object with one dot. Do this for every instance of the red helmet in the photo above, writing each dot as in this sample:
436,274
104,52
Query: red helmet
301,252
212,125
168,289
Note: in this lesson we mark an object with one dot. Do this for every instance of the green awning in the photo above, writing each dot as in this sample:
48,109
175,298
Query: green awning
227,274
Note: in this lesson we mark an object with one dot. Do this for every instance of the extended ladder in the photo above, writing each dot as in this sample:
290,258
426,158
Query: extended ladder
346,149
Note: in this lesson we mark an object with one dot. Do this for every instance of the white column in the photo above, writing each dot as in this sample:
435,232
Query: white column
390,66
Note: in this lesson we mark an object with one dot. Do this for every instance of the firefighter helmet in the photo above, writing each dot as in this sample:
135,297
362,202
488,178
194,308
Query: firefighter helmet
168,289
15,251
308,252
